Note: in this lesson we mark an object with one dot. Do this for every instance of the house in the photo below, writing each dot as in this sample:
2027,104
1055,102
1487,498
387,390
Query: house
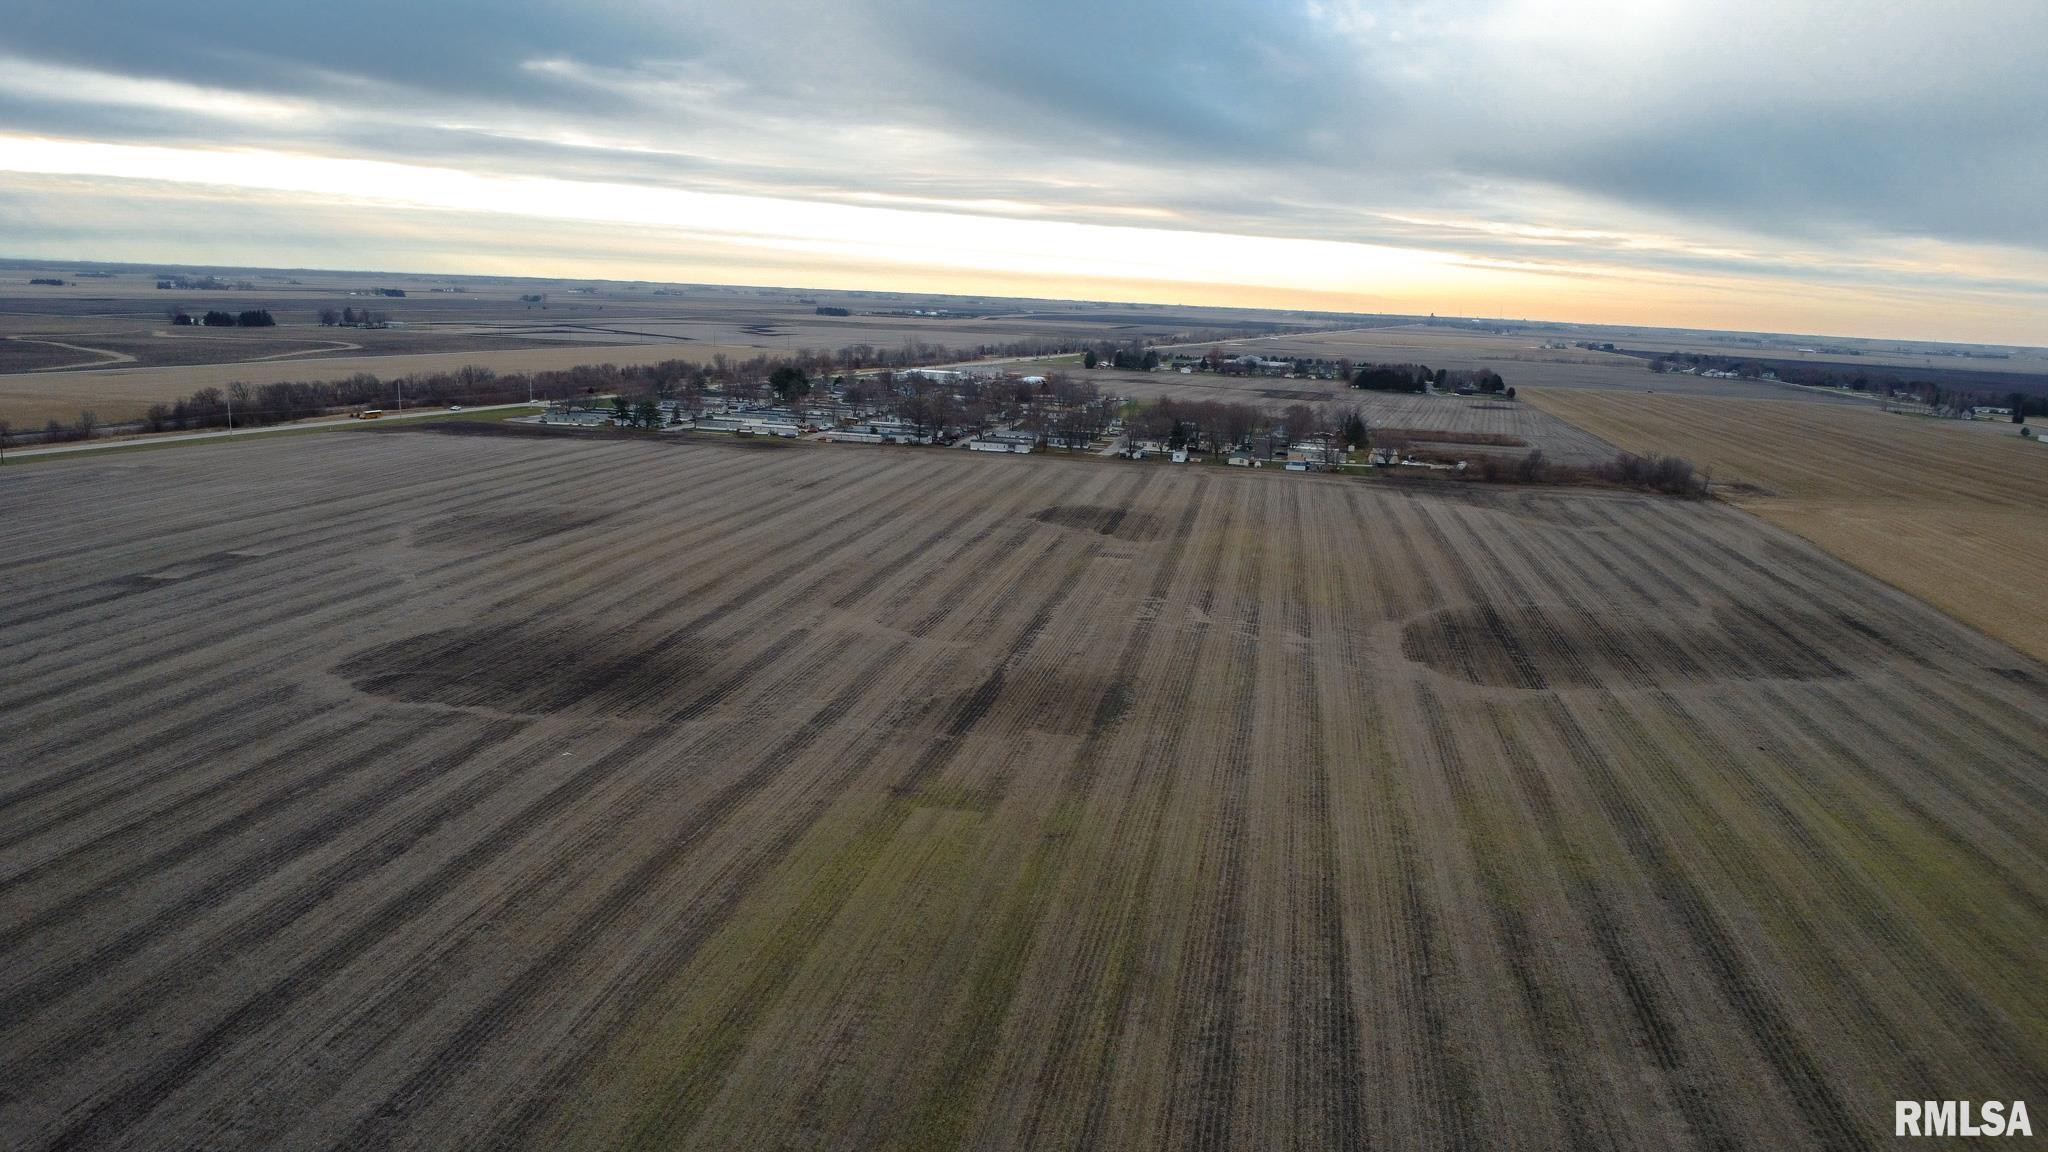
750,424
1987,412
881,431
983,445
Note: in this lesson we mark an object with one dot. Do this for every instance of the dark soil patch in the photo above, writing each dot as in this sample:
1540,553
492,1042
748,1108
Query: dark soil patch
1077,702
187,570
1741,488
1292,394
1517,646
1439,436
1122,523
29,355
526,670
498,428
497,529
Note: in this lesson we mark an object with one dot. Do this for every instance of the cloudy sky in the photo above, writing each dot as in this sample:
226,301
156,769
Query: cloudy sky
1842,167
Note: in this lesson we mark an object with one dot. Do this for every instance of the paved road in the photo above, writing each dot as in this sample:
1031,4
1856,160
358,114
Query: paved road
179,437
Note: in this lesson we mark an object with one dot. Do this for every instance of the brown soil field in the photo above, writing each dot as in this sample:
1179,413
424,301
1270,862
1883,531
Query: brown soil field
1954,512
399,789
1520,359
258,345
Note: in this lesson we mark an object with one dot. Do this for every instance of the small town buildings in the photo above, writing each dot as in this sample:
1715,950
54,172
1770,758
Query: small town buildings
885,430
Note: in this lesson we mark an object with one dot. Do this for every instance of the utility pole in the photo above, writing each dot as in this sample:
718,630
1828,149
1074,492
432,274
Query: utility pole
231,411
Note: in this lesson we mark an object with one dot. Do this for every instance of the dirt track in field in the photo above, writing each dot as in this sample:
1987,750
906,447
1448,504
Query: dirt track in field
401,789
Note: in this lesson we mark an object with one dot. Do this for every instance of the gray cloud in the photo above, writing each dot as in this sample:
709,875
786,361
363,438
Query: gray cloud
1723,127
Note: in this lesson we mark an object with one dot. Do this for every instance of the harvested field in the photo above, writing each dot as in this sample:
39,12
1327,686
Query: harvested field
360,792
1475,422
1954,512
123,393
1425,436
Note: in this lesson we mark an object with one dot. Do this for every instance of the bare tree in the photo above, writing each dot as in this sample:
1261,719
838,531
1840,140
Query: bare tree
1299,420
1238,421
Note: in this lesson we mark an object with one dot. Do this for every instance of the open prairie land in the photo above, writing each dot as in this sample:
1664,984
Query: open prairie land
430,790
1954,512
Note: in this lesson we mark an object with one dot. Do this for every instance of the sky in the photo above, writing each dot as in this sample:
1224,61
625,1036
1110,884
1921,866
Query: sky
1863,169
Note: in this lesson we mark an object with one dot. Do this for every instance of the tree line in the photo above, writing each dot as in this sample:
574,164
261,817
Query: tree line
1221,426
353,318
1419,378
217,318
1671,475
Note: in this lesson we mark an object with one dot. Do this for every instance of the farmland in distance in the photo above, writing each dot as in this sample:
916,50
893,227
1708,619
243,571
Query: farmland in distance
399,788
1953,511
106,342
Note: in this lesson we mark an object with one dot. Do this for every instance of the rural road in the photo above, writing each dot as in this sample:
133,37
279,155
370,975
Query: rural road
339,422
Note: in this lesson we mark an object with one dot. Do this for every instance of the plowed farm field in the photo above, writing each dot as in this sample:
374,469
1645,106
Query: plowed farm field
409,789
1953,511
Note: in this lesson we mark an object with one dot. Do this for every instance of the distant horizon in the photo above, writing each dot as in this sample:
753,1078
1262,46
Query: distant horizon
57,262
